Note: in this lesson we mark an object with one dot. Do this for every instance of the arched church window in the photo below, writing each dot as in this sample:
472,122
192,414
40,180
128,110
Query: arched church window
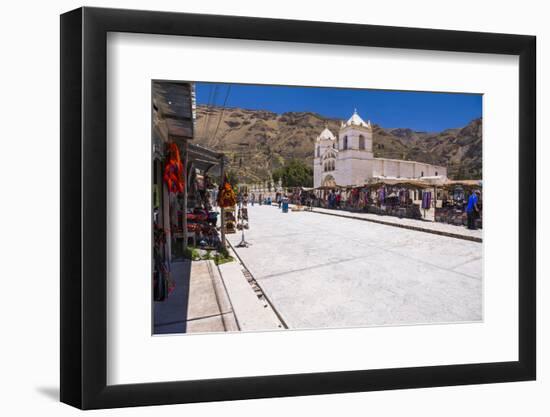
361,142
421,173
436,173
345,144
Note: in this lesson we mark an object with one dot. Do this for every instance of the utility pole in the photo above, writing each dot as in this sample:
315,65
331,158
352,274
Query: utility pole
222,213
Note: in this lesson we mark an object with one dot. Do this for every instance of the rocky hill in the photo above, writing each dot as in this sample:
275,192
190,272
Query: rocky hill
258,141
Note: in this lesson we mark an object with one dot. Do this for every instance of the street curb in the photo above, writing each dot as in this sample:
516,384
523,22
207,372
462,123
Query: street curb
268,300
222,298
405,226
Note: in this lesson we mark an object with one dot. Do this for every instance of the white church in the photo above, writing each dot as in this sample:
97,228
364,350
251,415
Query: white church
348,159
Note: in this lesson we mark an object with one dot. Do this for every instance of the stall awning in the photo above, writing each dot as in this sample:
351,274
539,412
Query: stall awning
424,182
414,182
468,184
205,159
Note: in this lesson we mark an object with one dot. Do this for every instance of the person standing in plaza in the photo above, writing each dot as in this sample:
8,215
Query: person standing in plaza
252,199
472,209
332,199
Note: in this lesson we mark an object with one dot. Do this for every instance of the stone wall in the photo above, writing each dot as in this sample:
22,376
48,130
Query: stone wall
405,169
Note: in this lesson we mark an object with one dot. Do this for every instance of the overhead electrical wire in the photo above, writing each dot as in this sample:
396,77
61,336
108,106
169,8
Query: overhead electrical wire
208,103
222,113
211,102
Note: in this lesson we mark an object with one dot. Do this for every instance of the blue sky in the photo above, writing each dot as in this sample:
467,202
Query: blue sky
423,111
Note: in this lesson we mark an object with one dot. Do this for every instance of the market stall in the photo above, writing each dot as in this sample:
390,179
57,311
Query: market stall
197,217
429,198
455,197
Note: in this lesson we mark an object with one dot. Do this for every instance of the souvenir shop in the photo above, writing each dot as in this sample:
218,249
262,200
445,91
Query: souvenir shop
183,185
173,127
184,212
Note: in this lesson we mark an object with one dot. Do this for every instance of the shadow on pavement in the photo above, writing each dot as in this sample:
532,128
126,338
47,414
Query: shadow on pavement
170,315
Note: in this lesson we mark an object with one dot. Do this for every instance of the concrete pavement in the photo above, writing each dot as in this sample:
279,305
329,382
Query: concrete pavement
211,299
326,271
252,312
443,229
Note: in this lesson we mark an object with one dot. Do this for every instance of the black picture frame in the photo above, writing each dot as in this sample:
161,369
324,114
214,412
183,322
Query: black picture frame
84,207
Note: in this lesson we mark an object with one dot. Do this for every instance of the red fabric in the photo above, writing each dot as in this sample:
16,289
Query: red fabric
173,170
201,217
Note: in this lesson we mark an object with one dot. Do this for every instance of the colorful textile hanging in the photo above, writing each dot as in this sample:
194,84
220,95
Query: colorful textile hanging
381,195
226,196
426,199
173,170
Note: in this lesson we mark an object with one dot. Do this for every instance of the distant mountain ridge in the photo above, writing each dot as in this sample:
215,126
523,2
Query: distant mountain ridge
259,141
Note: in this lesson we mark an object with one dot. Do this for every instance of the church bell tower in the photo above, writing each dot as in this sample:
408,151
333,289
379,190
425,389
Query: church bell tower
355,157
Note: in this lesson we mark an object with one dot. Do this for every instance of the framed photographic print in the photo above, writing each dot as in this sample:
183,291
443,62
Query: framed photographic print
255,208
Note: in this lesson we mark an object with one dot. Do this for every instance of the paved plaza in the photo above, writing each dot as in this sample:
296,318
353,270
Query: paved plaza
327,271
443,229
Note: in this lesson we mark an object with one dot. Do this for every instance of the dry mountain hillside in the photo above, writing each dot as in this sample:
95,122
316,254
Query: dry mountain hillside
264,140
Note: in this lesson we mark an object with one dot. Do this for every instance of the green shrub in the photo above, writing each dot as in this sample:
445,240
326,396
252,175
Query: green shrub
191,253
220,259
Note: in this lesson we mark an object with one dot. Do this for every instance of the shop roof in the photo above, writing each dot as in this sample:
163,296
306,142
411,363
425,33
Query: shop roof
173,103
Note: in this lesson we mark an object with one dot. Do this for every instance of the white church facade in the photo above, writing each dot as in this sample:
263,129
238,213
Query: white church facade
348,159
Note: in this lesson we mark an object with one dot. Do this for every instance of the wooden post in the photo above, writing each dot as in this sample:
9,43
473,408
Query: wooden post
222,213
185,191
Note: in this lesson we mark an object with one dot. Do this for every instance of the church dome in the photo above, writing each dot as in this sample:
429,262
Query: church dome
355,120
326,134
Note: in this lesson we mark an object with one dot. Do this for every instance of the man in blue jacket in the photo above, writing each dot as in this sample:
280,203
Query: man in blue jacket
472,209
